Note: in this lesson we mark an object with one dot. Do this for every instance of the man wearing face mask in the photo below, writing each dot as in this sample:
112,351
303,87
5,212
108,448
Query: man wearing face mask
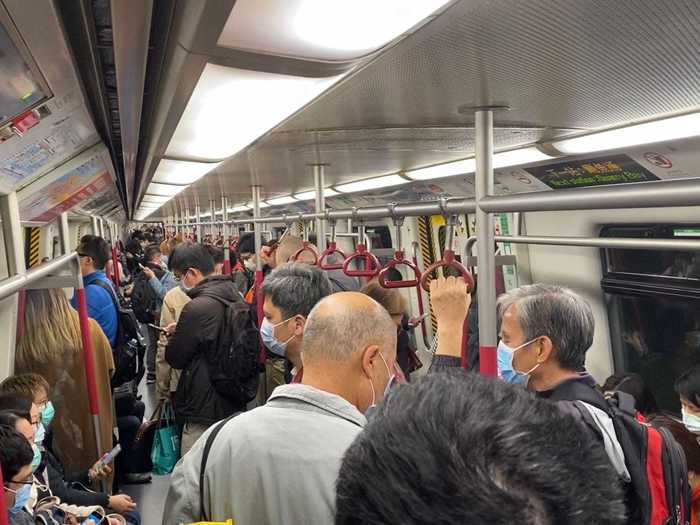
15,460
687,387
173,303
292,447
290,292
198,403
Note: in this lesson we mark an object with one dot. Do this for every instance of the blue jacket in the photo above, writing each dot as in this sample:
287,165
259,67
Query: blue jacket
100,305
163,285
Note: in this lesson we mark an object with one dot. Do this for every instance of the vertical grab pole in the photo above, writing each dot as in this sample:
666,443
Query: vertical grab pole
188,232
198,230
486,291
319,184
212,211
64,233
224,232
89,359
101,224
95,226
115,259
257,228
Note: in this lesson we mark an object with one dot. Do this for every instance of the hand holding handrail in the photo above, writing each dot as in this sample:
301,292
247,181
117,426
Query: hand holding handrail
399,260
331,250
448,260
371,264
306,248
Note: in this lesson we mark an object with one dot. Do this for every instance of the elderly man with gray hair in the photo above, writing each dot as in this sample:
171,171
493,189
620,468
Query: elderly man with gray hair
278,464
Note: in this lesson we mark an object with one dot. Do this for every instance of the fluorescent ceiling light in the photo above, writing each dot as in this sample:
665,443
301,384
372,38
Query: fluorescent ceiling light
281,200
156,199
230,108
371,184
168,190
321,29
240,208
500,160
171,171
449,169
663,130
308,195
516,157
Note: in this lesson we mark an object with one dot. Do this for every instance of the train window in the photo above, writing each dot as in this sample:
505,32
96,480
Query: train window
653,302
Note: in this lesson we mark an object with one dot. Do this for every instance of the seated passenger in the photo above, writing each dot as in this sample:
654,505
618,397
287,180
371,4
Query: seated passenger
198,403
278,464
290,291
687,387
15,460
689,443
51,474
51,346
456,448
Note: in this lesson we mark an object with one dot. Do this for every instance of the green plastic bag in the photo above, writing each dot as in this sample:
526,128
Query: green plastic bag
166,443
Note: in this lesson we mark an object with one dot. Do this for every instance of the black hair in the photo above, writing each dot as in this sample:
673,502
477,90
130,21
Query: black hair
456,448
186,256
688,385
634,385
217,254
18,404
9,418
150,252
295,288
15,452
246,244
95,247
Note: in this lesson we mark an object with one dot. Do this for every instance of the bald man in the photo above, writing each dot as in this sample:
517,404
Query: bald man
278,464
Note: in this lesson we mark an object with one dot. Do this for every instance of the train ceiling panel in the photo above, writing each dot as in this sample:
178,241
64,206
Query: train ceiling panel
54,137
561,68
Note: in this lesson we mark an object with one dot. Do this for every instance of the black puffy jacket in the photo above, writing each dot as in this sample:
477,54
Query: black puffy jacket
195,339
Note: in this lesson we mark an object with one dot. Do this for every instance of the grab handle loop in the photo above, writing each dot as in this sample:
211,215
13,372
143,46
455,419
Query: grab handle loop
306,248
399,260
370,263
448,261
332,249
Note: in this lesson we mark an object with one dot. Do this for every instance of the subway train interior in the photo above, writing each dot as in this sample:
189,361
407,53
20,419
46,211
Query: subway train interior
396,141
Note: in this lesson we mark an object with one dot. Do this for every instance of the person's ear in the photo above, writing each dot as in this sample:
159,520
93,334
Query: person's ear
545,349
369,357
298,323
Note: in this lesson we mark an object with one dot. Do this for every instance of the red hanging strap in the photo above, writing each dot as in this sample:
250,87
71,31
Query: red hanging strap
448,261
331,250
399,260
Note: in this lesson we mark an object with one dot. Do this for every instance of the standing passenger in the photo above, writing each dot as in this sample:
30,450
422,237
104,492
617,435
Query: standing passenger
195,337
278,463
688,389
94,253
51,346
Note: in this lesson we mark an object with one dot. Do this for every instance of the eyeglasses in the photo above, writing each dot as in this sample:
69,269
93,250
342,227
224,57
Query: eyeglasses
28,481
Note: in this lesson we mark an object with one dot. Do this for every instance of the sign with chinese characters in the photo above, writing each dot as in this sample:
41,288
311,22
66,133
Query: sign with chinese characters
599,171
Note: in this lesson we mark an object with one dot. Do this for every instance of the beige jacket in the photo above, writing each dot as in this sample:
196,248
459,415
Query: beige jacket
166,377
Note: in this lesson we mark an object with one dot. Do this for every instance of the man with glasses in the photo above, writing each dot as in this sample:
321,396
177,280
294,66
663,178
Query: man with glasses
16,458
94,253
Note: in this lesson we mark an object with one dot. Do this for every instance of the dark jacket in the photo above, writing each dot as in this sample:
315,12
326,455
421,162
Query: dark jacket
581,388
60,485
191,348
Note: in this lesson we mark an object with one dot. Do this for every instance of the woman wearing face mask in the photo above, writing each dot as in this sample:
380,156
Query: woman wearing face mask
687,387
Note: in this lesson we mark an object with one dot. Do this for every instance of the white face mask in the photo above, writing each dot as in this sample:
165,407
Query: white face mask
373,406
691,422
250,264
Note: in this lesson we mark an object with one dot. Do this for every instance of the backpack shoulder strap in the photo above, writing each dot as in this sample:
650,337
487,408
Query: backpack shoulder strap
205,455
110,291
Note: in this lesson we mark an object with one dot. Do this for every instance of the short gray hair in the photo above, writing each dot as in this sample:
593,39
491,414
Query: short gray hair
556,312
295,288
338,335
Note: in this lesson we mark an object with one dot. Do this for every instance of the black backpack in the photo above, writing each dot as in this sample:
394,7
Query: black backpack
234,364
143,299
130,349
658,493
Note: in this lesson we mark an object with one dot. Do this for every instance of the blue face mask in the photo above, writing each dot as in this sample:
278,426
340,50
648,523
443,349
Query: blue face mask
21,498
47,414
36,460
39,435
274,345
505,364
